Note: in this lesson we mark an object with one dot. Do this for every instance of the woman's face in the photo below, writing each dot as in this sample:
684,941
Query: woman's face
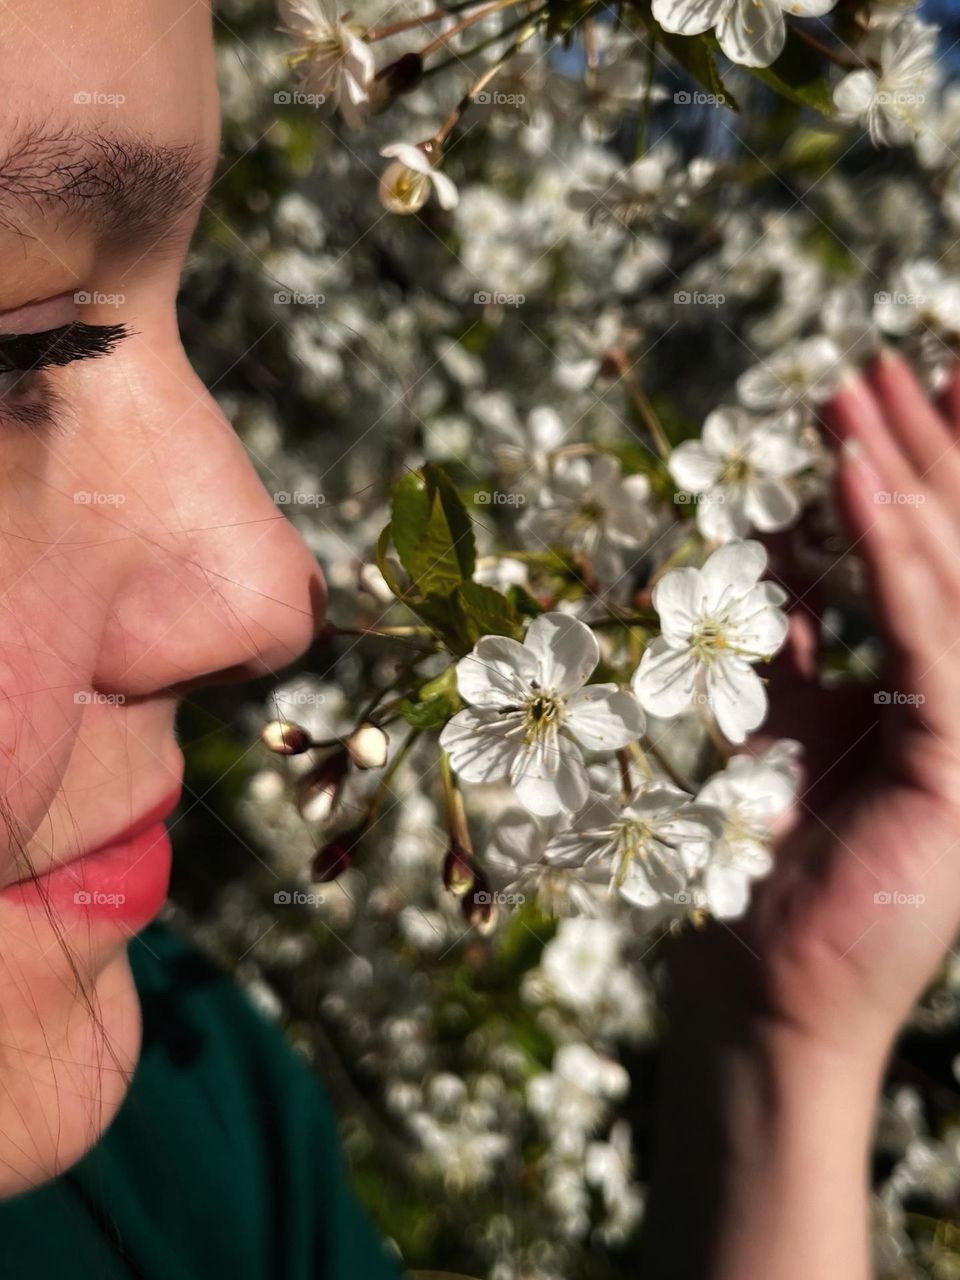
139,554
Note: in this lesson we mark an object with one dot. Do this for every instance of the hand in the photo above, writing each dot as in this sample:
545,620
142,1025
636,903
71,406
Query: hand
864,900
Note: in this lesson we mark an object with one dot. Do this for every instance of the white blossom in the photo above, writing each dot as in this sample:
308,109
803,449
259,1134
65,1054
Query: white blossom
335,61
740,471
531,712
649,847
890,104
805,372
750,793
406,184
515,856
921,295
651,187
750,32
716,622
591,507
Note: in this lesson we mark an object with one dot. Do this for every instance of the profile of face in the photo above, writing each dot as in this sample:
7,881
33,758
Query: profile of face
141,556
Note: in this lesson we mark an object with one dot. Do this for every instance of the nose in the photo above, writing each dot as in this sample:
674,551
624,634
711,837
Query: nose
217,584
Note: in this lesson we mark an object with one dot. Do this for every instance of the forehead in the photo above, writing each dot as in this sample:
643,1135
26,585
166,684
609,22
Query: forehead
138,67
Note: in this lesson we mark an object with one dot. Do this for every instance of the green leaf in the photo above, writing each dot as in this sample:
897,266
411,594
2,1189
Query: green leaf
812,148
435,703
431,712
798,76
697,55
383,564
432,532
523,602
488,613
443,614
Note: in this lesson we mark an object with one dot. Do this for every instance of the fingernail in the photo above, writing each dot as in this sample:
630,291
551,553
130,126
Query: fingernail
850,377
851,450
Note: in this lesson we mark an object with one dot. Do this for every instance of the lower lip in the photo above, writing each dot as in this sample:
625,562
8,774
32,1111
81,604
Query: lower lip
126,883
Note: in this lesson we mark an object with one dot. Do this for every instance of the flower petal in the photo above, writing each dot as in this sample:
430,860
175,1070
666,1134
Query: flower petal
604,718
757,626
727,891
566,650
499,672
694,467
736,696
771,504
448,197
549,777
688,17
678,599
665,680
726,429
408,155
752,32
478,745
731,571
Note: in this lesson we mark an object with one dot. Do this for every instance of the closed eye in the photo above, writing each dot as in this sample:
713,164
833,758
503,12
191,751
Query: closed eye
25,396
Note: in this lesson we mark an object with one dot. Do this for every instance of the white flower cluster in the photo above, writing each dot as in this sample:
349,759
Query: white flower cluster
532,714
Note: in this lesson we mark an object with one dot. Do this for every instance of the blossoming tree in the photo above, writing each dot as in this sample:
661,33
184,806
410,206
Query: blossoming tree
542,383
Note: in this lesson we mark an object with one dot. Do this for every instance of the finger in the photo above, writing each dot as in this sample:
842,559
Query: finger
855,415
887,540
916,425
949,401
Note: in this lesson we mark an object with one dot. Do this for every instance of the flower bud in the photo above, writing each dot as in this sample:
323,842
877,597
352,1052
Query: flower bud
333,858
317,790
478,906
458,874
285,738
400,76
367,746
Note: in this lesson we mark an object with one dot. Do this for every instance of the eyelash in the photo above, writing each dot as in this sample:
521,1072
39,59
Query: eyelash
25,394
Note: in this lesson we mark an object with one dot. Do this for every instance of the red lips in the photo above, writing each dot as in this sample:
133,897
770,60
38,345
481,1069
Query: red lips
124,881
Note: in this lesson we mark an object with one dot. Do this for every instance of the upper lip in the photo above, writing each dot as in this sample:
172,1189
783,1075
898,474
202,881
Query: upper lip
149,818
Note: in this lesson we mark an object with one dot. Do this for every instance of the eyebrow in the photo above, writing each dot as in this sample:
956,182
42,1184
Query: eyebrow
128,186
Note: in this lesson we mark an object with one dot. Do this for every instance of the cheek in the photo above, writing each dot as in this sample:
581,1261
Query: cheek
49,634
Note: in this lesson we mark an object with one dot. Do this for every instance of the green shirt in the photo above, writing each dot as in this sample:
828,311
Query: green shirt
222,1161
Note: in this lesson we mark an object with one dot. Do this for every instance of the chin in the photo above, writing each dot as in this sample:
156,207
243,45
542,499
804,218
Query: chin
70,1033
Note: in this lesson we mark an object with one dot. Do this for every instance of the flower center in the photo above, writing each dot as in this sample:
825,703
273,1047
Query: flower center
637,841
737,470
541,713
709,639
